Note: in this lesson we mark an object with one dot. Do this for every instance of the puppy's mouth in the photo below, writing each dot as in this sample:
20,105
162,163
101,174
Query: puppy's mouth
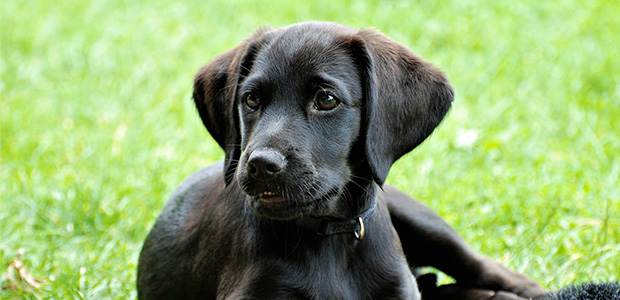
269,197
279,207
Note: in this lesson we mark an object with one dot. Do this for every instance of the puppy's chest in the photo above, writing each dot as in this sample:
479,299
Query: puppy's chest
325,280
298,286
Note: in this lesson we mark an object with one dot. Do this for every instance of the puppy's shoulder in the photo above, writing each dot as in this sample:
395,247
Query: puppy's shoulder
206,178
389,193
164,267
197,189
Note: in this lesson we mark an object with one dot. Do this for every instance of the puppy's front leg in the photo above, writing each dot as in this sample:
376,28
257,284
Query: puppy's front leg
428,240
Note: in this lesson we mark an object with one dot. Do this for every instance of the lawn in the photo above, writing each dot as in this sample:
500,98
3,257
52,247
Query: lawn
98,128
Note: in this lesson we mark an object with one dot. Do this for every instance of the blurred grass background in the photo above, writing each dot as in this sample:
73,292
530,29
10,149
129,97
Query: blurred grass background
97,128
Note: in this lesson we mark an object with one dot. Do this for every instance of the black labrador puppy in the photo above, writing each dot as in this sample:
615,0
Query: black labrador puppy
311,118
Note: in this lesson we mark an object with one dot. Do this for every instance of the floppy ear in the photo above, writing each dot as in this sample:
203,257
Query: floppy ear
406,98
215,88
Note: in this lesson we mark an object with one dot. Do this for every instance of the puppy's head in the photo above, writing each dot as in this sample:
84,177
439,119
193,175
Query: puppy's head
304,110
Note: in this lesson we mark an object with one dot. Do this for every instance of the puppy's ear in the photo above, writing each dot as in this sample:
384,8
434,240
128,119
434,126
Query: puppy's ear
215,89
406,98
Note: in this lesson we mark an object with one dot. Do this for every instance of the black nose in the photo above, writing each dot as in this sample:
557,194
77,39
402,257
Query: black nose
264,163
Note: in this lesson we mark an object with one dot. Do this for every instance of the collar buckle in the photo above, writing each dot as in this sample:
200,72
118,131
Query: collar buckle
326,226
360,231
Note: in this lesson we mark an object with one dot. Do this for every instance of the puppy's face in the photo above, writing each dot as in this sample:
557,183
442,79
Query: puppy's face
305,111
299,110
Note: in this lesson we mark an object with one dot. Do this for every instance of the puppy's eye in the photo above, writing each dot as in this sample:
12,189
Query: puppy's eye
325,101
252,101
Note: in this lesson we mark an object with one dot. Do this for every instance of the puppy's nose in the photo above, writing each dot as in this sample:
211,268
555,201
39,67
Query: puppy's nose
265,162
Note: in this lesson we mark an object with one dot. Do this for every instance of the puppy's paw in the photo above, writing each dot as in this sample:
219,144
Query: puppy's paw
496,276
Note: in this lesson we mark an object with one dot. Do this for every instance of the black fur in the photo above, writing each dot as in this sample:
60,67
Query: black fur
311,118
587,291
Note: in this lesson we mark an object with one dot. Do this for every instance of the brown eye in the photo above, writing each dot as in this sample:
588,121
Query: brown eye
325,101
251,101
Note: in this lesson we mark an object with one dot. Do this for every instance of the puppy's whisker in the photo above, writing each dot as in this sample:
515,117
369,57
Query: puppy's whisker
244,68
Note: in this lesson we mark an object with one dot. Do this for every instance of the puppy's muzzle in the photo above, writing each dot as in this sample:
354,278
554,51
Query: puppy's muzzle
264,164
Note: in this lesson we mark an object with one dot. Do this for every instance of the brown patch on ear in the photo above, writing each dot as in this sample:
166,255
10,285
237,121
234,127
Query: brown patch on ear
215,87
406,99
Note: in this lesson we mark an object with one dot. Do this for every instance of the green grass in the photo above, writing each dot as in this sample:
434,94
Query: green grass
97,128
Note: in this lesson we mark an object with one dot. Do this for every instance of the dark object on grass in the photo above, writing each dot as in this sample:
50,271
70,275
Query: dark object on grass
587,291
311,118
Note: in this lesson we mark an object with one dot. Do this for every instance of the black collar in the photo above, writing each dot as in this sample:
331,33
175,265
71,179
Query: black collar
328,226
